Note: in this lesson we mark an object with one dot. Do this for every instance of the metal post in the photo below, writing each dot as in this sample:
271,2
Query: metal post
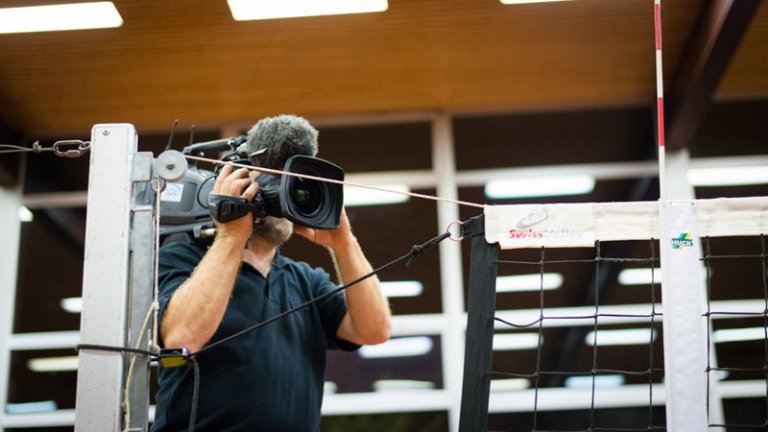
142,272
116,280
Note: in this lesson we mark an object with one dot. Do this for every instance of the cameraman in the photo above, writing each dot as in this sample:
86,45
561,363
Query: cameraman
270,379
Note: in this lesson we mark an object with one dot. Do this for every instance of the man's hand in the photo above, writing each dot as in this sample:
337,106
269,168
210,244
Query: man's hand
330,238
237,183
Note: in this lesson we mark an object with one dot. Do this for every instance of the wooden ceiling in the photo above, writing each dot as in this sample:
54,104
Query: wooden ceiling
190,60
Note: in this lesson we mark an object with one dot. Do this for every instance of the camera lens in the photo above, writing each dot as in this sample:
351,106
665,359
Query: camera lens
311,203
307,196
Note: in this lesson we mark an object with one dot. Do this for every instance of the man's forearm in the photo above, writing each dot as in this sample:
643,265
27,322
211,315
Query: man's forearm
368,314
195,310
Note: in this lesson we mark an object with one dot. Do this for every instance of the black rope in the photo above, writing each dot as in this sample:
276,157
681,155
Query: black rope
98,347
415,250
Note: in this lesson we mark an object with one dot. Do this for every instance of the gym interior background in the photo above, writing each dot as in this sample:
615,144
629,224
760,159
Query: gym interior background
437,97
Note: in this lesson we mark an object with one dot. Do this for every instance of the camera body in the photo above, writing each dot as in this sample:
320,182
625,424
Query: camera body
188,206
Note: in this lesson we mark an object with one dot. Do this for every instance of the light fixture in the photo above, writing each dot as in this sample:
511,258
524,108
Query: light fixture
739,334
640,276
515,341
398,347
509,384
330,387
71,16
513,2
621,337
31,407
599,381
72,305
402,385
53,364
539,187
243,10
356,196
730,176
529,282
25,215
402,288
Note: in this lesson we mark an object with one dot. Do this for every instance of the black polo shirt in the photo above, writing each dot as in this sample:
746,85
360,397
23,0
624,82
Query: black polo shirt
270,379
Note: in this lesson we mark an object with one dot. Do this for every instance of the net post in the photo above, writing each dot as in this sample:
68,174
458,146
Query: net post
140,296
481,308
113,254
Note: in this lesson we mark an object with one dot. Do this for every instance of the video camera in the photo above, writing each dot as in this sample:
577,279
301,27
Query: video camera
188,206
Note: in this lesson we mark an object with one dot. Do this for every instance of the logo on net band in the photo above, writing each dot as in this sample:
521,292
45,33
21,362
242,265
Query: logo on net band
524,229
683,241
532,219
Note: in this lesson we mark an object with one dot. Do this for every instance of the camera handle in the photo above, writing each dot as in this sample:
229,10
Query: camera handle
225,208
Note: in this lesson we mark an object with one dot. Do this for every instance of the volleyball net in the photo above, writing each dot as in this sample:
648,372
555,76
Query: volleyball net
606,357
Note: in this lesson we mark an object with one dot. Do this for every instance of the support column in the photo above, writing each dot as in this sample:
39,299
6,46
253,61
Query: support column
10,201
451,275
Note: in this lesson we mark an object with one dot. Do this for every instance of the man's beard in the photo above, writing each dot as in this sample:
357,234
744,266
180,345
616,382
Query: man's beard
274,230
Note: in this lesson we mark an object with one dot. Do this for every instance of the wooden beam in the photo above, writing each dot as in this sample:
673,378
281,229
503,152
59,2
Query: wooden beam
714,41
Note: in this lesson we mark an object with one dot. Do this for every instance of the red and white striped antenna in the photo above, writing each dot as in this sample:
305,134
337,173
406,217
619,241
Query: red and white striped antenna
660,102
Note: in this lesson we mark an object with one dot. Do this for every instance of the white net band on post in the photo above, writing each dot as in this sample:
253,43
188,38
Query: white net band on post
581,224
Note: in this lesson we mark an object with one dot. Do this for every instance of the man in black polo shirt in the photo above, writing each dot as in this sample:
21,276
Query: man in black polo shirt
270,379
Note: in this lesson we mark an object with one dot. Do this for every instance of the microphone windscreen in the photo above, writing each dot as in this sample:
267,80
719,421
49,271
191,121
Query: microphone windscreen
281,136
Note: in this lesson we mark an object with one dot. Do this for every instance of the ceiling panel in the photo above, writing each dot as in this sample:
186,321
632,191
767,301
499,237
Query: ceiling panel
190,60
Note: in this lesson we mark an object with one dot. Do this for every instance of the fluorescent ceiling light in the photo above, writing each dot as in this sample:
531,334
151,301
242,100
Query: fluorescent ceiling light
402,385
599,381
402,288
639,276
330,387
515,341
540,187
512,2
72,304
355,196
738,335
399,347
72,16
53,364
31,407
731,176
509,384
529,282
25,215
243,10
621,337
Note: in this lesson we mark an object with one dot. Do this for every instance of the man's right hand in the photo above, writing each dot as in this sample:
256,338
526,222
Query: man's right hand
238,183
